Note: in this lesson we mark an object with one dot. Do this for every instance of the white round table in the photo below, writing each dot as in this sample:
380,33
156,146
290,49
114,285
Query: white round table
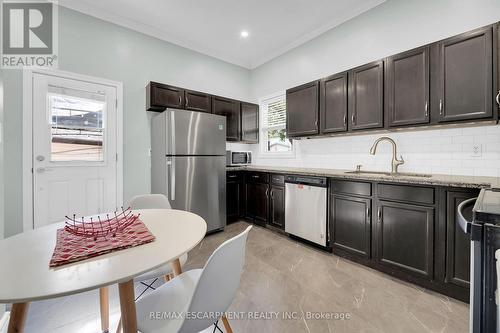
26,275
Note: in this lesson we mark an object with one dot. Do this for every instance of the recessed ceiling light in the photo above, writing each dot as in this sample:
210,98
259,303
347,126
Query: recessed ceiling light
244,33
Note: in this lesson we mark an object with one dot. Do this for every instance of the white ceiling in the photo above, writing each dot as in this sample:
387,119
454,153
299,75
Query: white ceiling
213,27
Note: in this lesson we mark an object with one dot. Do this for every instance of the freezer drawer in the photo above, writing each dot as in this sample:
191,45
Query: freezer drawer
305,212
198,184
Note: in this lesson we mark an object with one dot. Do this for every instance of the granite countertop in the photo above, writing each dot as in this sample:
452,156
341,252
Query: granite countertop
435,179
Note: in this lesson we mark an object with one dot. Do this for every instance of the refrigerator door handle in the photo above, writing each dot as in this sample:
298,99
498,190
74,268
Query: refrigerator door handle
172,132
172,179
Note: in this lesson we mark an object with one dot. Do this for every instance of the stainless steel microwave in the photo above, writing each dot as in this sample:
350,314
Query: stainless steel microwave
238,157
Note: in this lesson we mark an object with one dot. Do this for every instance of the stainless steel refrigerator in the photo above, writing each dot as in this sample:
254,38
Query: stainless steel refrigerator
188,163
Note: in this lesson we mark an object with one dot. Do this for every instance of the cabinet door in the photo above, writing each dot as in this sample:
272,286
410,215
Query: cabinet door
231,110
333,103
198,101
407,88
262,203
257,195
405,236
161,96
457,242
351,219
277,206
232,200
366,96
302,110
465,87
249,122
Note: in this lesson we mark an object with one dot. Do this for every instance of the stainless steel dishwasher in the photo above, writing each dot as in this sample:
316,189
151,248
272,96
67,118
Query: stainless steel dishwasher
305,208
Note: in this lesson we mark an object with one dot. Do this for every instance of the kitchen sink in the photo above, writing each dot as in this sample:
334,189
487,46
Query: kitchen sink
382,173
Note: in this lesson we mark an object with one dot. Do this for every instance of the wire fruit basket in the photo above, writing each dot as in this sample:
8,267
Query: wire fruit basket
101,228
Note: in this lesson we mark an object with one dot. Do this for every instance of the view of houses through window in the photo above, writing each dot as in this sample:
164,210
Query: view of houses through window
77,127
274,125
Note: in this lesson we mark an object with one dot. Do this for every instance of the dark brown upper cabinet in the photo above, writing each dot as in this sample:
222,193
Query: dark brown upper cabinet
161,96
496,64
333,104
249,122
407,88
464,88
198,101
231,110
366,96
302,110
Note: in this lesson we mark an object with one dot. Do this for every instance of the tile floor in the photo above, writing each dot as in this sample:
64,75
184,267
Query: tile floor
284,276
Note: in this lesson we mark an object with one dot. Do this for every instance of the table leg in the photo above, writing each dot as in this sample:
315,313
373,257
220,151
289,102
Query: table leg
18,316
176,267
104,307
127,306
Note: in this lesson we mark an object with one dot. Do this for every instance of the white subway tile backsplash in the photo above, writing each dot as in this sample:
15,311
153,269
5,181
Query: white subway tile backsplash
443,150
463,139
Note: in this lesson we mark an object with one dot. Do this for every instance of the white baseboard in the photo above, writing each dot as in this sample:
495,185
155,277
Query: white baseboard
4,322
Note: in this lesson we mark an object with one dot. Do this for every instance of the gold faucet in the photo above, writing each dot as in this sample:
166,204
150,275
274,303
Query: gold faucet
395,162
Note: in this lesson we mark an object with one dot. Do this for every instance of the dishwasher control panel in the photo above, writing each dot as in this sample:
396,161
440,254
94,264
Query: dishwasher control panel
313,181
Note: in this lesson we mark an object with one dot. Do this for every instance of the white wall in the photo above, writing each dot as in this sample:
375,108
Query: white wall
93,47
392,27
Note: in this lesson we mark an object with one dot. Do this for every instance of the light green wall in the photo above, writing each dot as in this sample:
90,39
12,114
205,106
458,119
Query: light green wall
2,307
98,48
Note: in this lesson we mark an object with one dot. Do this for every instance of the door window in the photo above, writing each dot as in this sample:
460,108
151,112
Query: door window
77,125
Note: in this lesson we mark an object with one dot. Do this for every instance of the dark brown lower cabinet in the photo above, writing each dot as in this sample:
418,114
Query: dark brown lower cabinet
457,243
277,207
257,199
235,196
405,238
351,218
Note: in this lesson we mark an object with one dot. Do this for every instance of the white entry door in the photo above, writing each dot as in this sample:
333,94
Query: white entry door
74,148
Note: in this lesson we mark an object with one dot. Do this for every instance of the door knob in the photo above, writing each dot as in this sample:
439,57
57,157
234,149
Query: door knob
40,158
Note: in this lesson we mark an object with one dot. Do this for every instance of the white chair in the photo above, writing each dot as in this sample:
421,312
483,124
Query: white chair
206,291
146,201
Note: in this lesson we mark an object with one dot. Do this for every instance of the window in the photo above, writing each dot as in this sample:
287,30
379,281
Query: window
273,129
76,125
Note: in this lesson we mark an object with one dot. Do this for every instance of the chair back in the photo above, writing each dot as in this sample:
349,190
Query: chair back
218,283
150,201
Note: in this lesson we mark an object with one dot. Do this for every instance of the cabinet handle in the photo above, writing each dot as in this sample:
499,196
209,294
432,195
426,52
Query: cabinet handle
498,98
368,212
316,123
345,120
272,194
267,193
232,176
441,107
379,215
255,176
180,100
187,101
353,119
426,109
